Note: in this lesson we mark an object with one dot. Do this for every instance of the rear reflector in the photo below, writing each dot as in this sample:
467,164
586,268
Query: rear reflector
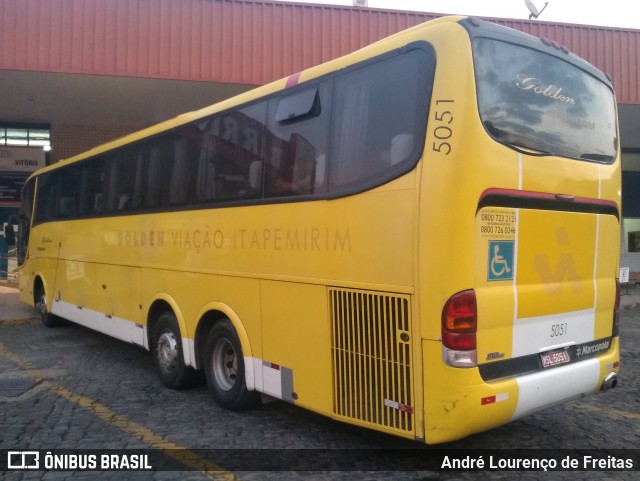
494,399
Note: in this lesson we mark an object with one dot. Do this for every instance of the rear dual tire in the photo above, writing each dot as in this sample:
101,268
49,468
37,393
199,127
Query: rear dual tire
224,369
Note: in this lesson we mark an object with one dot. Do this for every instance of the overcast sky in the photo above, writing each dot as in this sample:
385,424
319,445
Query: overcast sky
612,13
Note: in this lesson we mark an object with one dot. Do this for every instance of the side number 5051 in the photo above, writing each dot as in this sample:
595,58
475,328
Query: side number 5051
442,130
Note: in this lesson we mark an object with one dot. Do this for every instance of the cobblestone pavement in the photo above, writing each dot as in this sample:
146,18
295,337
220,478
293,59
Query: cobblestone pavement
94,392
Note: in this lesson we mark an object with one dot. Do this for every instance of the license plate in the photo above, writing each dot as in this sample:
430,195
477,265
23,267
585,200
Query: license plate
554,358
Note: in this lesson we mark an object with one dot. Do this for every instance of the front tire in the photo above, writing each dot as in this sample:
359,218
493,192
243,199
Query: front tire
48,319
224,369
168,355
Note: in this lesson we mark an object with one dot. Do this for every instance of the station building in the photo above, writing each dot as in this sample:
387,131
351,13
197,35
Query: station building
77,73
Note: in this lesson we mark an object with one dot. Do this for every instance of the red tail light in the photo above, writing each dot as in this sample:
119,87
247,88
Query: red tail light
616,311
460,321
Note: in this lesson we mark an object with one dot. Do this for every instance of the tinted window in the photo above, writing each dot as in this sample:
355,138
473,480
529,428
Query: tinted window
58,194
124,190
159,165
24,220
229,164
93,187
379,120
297,148
536,101
69,182
44,199
26,206
169,169
182,167
346,132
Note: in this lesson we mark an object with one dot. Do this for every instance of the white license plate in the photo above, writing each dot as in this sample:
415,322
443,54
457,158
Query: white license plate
554,358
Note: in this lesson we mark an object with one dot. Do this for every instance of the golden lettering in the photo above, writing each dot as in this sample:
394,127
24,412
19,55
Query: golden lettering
536,86
141,239
305,239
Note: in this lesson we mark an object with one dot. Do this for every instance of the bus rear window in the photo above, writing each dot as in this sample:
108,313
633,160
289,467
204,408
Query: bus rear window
528,99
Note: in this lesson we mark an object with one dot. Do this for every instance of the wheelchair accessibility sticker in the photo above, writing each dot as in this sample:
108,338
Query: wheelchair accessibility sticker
500,261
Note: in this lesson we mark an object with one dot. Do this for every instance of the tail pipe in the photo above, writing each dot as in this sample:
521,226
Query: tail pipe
609,382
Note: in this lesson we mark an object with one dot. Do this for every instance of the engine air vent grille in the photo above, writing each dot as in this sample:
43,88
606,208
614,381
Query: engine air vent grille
371,348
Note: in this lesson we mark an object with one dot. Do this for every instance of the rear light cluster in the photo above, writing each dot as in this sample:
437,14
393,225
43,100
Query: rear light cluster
616,311
459,328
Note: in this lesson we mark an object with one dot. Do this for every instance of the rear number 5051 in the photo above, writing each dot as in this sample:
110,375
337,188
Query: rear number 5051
558,330
442,130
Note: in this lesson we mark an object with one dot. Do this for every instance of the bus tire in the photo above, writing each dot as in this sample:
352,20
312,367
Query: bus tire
224,369
168,354
48,319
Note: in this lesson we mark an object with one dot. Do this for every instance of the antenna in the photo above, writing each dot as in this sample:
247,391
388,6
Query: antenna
535,13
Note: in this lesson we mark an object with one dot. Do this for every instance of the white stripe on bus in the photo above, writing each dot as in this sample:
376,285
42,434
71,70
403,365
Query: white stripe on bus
113,326
532,334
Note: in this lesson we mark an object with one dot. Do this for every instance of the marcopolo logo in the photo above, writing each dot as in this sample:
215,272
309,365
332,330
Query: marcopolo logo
593,348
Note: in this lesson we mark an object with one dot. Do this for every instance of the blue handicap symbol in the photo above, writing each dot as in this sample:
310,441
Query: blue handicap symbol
500,261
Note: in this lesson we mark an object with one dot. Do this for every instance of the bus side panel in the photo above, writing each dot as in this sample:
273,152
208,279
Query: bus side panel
242,295
75,272
118,296
41,266
236,297
42,261
297,336
75,283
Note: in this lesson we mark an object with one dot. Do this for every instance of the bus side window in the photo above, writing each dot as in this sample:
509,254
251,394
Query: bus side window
230,152
158,174
93,187
67,192
379,122
297,140
122,178
138,185
44,199
168,170
180,171
24,220
205,181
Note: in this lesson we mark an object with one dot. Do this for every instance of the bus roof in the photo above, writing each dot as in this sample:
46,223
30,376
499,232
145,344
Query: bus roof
473,25
246,97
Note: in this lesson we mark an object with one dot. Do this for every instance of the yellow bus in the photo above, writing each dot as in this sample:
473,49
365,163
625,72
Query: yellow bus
419,238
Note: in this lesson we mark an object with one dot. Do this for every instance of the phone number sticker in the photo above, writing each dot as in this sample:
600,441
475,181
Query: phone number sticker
497,224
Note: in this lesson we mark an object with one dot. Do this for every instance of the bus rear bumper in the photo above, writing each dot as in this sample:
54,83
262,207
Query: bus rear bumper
458,402
543,389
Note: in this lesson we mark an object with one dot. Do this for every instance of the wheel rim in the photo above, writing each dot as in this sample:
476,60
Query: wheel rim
167,351
225,364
